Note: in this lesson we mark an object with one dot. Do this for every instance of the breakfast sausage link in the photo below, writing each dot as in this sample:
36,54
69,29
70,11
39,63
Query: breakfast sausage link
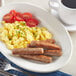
41,58
44,45
22,51
48,41
53,52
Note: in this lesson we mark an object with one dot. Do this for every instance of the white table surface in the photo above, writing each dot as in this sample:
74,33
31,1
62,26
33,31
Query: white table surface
71,66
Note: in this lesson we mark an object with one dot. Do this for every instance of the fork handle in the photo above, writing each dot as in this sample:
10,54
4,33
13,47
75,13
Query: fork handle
6,73
25,72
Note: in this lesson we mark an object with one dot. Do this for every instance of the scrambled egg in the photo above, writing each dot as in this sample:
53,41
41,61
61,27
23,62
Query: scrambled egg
18,34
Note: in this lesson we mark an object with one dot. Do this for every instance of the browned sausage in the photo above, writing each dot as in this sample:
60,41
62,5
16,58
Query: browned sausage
48,41
53,52
44,45
41,58
22,51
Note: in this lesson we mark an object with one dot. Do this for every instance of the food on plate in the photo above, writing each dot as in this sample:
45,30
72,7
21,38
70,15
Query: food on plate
8,18
24,51
44,45
40,58
13,16
18,34
27,16
53,52
46,41
32,22
39,54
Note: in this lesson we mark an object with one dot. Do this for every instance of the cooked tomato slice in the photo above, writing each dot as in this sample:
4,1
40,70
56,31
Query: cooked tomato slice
19,14
27,15
18,18
13,12
8,18
32,22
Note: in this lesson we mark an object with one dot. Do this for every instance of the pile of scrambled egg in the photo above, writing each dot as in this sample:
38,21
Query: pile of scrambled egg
18,34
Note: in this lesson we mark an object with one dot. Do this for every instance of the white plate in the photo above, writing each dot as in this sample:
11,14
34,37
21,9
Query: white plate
53,25
70,28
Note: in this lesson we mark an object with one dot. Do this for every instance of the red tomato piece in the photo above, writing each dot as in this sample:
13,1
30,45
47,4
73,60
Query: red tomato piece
13,12
18,18
19,14
32,22
8,18
26,16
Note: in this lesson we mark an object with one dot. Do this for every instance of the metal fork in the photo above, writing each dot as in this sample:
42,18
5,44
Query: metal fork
3,73
5,65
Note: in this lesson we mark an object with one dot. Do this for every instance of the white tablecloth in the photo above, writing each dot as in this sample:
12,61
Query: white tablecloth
71,66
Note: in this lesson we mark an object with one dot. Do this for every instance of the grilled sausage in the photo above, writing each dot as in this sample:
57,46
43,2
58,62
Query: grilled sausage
46,41
22,51
53,52
44,45
41,58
